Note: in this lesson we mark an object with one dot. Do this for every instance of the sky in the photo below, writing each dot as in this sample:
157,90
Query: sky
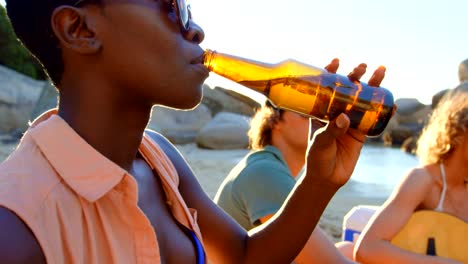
420,42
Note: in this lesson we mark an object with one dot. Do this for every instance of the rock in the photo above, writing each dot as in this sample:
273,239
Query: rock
408,105
47,100
180,127
406,126
437,97
398,135
407,123
418,116
462,86
10,138
225,131
18,96
224,100
409,145
6,147
463,71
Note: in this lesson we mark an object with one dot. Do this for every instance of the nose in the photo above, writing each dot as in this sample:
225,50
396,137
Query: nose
195,33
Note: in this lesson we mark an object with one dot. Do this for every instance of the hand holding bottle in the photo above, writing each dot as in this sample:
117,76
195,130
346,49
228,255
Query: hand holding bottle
334,150
358,72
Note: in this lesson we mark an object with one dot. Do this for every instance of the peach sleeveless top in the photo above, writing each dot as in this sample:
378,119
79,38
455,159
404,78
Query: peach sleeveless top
82,207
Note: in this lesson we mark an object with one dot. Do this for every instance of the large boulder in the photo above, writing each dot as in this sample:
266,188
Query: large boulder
463,71
419,116
438,96
47,100
406,106
225,100
18,96
225,131
180,127
409,120
398,135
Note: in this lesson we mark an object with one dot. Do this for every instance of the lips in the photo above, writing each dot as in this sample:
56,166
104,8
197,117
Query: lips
197,60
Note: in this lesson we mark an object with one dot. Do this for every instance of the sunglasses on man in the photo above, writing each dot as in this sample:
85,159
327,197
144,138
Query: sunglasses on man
180,7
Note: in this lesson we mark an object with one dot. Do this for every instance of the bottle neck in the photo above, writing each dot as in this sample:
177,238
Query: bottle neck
236,68
207,58
245,70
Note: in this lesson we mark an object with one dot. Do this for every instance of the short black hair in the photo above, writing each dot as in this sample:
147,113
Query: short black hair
31,21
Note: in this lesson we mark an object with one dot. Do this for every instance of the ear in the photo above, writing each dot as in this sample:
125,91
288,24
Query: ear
278,125
71,27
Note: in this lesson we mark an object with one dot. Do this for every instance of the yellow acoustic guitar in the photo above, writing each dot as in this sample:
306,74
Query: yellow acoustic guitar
435,233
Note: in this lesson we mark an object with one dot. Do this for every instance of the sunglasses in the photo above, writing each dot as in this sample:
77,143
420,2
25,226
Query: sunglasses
180,7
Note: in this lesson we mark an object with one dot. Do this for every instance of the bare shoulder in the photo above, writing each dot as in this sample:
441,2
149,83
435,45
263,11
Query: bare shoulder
180,164
412,188
169,149
416,179
17,242
189,186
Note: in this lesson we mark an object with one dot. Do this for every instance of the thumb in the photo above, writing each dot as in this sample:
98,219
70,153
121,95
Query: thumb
334,129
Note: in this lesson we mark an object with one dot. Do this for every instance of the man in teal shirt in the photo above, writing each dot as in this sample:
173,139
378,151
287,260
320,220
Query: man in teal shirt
257,186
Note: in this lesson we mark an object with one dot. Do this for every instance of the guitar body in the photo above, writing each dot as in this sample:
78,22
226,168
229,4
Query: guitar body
435,233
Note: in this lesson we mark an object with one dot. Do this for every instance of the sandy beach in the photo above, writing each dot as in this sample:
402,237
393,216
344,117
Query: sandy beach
211,166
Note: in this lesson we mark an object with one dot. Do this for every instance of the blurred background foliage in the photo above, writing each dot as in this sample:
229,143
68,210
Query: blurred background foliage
13,54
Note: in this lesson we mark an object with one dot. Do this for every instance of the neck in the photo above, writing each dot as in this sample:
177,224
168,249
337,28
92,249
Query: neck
112,125
295,159
456,171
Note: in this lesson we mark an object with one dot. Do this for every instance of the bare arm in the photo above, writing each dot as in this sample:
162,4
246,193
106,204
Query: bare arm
332,158
374,244
318,249
17,243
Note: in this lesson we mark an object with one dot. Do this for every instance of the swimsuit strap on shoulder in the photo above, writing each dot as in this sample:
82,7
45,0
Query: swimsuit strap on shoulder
440,206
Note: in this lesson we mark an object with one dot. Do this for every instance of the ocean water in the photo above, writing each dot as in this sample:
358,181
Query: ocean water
379,170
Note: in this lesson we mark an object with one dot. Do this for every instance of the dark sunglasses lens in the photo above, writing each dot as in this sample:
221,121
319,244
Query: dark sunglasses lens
184,13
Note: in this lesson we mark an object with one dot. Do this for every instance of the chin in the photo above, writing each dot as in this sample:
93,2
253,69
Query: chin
188,102
193,98
189,106
181,96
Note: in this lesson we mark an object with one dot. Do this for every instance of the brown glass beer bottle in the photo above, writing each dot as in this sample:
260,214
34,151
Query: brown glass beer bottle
309,90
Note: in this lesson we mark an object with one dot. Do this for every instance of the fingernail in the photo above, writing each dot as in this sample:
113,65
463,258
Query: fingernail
341,121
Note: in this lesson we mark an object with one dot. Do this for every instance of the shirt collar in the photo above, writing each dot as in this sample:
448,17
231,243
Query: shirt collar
84,169
276,152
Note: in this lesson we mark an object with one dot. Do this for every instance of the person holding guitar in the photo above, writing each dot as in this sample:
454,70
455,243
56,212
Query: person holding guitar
425,220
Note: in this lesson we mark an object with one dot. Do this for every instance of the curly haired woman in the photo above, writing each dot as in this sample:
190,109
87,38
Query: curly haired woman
439,185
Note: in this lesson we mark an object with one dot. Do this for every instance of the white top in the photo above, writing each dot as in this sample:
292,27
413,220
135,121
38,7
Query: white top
440,206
